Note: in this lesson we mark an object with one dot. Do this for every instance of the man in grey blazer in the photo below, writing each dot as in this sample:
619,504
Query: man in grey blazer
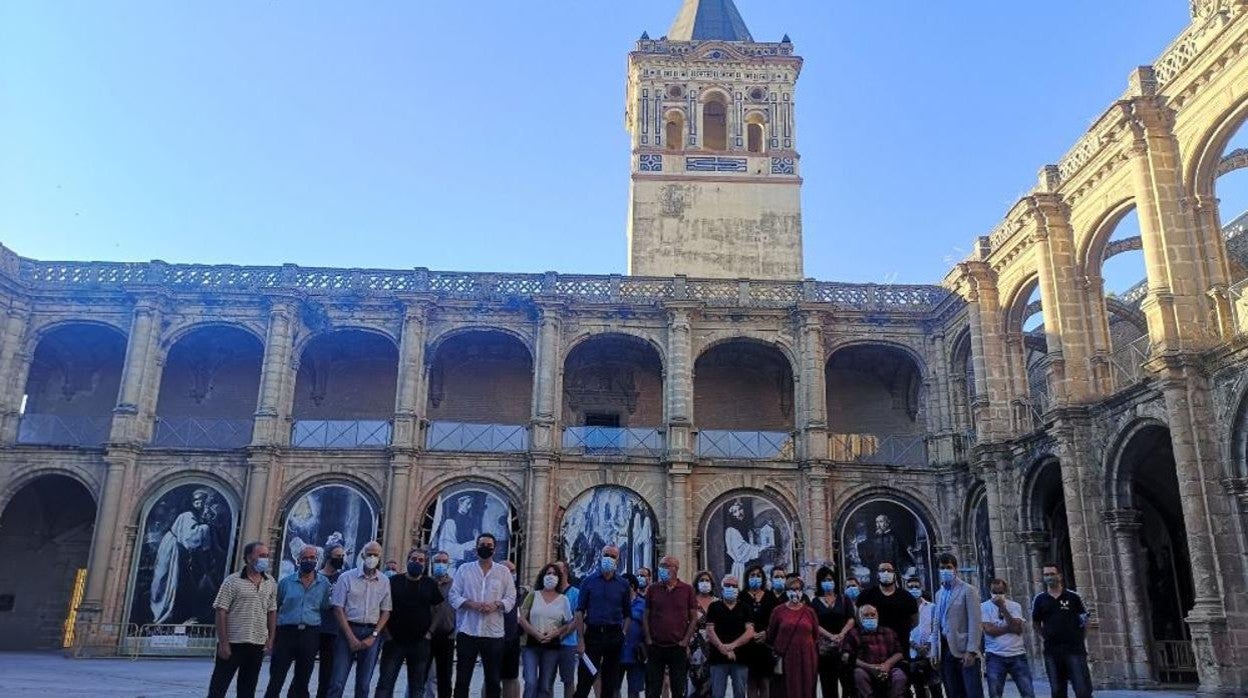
958,620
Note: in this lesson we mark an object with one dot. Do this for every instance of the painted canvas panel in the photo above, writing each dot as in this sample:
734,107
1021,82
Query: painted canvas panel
466,510
325,516
886,529
608,515
184,553
747,529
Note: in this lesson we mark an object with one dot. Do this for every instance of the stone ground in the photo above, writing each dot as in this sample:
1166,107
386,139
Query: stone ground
52,674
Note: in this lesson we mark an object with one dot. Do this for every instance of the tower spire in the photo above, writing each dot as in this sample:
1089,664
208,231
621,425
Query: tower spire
709,20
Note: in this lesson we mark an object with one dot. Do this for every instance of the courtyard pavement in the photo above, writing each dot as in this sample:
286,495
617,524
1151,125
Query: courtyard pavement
52,674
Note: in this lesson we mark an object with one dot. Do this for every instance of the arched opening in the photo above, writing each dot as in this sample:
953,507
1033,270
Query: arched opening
344,391
715,122
756,133
465,510
208,390
1147,482
608,515
743,401
613,397
979,534
1050,534
874,398
674,130
480,393
324,516
882,528
1027,348
71,388
1230,191
747,527
45,531
1123,278
962,387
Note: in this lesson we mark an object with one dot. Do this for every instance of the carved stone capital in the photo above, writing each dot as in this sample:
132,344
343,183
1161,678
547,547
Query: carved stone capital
1123,520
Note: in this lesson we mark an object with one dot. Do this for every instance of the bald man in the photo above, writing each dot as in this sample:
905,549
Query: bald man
301,597
604,610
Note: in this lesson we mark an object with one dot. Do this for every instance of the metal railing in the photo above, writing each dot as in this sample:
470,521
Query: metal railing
164,640
628,441
340,433
878,449
477,438
63,430
1175,661
745,445
1128,362
201,433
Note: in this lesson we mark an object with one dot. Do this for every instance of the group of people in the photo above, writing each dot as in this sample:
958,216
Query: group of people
767,635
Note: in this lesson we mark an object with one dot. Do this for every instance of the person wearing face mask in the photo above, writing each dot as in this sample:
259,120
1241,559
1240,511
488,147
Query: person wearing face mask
633,654
756,654
362,604
483,591
794,636
924,677
896,608
546,618
512,645
729,628
568,657
671,619
246,606
1004,650
301,598
603,612
699,650
876,653
1060,616
413,597
335,560
441,634
959,625
836,619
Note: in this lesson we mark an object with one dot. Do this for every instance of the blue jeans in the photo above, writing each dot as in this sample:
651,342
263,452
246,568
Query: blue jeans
721,673
997,667
540,666
1064,667
960,681
364,662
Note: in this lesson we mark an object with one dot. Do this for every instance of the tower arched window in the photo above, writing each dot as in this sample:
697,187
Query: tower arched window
755,134
674,131
715,123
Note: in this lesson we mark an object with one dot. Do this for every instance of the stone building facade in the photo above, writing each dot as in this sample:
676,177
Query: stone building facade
155,416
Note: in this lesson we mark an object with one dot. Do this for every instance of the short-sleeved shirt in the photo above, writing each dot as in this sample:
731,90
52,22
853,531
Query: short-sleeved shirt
873,647
1009,644
299,605
897,610
247,606
413,601
668,609
329,622
729,624
362,598
1060,621
574,597
604,601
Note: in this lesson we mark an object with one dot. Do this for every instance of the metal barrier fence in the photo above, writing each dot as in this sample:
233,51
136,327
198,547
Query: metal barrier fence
1128,362
63,430
196,432
745,445
879,449
1175,661
478,438
96,639
613,440
334,433
160,640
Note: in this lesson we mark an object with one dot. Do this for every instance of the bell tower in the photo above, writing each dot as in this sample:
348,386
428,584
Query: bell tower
716,187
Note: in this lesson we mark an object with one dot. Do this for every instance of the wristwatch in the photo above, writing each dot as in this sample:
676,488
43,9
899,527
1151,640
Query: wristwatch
374,633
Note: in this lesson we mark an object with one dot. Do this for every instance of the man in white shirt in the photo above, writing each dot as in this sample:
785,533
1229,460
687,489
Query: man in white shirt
481,594
1003,643
924,677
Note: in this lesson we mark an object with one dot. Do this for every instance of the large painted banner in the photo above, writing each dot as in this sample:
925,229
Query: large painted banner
608,515
885,529
747,529
466,510
326,516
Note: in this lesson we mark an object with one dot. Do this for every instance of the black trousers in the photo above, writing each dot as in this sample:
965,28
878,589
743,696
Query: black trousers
245,660
490,649
834,677
670,660
325,670
603,645
925,678
393,655
296,646
441,662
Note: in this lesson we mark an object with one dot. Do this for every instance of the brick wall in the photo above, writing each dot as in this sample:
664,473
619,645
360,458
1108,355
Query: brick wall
481,377
76,370
213,373
872,390
743,386
347,375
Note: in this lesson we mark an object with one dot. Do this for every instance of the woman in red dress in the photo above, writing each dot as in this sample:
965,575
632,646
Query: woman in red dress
794,634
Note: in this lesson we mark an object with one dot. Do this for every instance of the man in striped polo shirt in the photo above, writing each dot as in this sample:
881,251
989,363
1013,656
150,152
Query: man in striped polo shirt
246,618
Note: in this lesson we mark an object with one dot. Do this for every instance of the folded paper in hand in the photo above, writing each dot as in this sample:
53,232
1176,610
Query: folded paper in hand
593,670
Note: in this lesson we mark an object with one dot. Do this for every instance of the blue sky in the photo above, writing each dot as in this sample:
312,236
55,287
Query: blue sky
489,135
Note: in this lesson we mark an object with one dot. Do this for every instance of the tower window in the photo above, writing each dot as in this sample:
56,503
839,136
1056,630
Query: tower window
675,131
754,134
715,124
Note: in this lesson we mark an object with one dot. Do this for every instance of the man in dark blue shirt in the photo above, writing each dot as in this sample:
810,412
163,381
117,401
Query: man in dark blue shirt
1060,616
603,611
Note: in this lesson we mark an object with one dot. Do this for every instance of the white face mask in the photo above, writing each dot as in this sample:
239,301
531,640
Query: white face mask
704,587
887,578
371,561
550,581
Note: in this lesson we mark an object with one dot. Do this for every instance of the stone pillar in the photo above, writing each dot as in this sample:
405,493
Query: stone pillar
992,464
103,572
405,444
678,537
14,366
678,384
1125,524
1215,259
539,533
818,541
140,377
1027,584
988,355
813,385
548,382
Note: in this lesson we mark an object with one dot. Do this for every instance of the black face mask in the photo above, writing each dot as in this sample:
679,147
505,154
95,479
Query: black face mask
485,552
415,569
337,562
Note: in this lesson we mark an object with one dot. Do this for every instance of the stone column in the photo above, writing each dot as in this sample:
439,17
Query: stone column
813,384
818,543
678,525
539,535
1125,525
405,437
14,366
678,384
271,429
132,418
548,382
103,573
988,354
1027,583
991,466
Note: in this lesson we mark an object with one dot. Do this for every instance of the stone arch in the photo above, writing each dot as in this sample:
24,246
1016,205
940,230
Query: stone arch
310,513
1237,463
913,353
715,339
742,384
344,389
1043,513
976,537
862,511
434,345
674,128
645,337
876,404
612,379
1091,251
302,343
71,383
1017,301
28,475
208,387
38,330
962,370
179,332
435,487
749,512
607,514
716,104
479,375
477,490
1032,484
1203,153
1117,474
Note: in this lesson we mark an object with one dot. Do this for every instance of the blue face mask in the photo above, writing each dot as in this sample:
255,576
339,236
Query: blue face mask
915,592
870,624
439,569
947,576
261,565
730,593
664,574
641,582
828,586
777,583
852,592
755,582
607,564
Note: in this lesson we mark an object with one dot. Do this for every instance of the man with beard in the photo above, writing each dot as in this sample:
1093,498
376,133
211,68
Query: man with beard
884,546
896,609
188,561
